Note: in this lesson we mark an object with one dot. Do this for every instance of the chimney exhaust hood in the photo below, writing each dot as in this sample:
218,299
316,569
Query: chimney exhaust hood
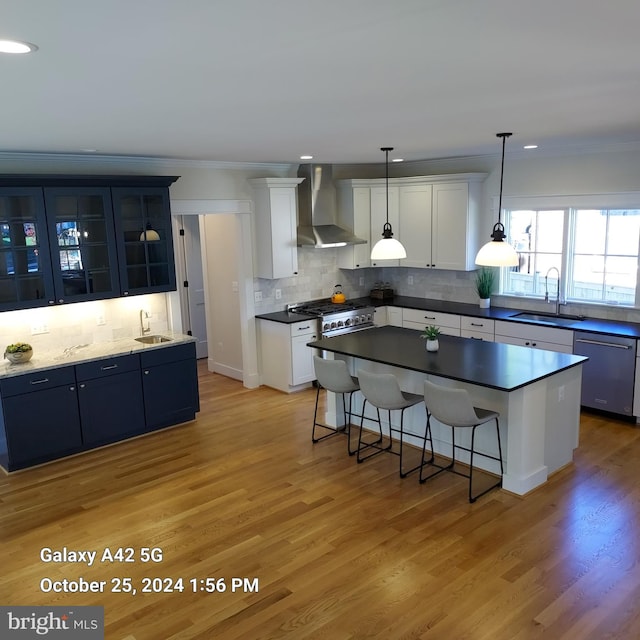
317,210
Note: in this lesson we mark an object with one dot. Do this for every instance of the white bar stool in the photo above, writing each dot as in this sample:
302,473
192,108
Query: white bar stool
333,375
383,392
454,408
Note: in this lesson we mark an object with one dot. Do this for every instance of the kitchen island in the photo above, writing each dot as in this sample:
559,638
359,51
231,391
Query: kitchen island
537,393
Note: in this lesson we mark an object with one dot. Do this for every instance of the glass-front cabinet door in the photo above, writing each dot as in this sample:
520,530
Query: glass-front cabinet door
83,244
25,268
144,238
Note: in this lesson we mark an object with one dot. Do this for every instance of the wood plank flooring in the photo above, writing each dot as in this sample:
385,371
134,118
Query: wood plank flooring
324,547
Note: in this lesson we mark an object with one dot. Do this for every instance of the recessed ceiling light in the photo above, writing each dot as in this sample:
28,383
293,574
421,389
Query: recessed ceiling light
306,157
397,160
15,46
530,146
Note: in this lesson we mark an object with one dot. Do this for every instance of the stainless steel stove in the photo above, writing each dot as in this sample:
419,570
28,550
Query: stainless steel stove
336,319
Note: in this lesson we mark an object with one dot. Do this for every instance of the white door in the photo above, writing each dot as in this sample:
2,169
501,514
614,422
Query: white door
193,312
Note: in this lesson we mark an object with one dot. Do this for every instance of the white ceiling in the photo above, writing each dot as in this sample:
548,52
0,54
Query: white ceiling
269,80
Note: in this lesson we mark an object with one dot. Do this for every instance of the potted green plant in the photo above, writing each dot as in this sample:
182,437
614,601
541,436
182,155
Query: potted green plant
485,281
18,352
431,334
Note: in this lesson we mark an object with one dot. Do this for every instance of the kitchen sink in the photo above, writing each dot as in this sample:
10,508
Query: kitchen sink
152,339
562,320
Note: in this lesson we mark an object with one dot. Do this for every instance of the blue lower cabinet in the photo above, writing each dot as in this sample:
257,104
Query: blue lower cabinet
111,408
40,418
57,412
170,385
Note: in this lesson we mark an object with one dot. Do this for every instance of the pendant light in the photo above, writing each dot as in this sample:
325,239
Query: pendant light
497,252
388,248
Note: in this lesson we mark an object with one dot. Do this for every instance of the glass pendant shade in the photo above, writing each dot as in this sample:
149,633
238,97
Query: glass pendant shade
388,249
497,253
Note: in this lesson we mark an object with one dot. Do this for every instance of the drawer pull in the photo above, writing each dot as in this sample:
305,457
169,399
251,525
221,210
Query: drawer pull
429,317
42,381
304,328
111,366
477,324
601,343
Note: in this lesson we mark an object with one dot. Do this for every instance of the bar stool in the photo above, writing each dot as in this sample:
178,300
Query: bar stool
333,375
382,391
454,408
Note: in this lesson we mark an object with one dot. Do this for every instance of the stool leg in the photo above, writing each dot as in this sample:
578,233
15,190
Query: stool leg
315,416
404,474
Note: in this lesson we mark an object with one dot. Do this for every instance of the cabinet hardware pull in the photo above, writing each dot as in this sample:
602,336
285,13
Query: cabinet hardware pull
146,373
304,328
82,386
600,343
111,366
429,317
477,324
40,381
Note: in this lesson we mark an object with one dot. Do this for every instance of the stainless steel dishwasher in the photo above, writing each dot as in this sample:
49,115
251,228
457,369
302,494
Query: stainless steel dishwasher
608,375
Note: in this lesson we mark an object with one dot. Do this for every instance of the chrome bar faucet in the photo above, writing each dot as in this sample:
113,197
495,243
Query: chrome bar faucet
144,314
546,288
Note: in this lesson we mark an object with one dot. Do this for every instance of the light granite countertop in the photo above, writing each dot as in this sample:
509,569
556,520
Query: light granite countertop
55,358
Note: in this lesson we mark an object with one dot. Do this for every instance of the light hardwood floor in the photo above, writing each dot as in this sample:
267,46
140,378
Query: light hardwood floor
339,550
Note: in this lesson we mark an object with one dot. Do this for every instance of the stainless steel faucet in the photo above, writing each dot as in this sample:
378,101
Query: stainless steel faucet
144,314
546,288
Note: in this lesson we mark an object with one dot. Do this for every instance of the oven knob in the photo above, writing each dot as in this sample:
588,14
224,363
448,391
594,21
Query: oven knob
325,326
369,317
333,325
363,319
347,322
340,324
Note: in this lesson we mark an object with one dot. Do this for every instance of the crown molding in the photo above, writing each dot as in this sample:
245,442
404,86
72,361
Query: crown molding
89,159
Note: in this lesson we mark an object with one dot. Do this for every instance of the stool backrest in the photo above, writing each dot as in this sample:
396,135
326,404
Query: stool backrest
333,375
380,389
449,406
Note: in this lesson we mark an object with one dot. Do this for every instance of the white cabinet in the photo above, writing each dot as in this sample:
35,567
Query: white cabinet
354,204
286,361
448,323
394,316
380,317
415,224
534,336
454,225
379,218
435,218
477,328
276,239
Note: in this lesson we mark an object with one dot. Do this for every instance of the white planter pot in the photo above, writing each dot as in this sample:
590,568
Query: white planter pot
485,303
433,345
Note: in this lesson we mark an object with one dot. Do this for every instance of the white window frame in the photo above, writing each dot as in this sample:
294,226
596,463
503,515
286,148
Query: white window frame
569,203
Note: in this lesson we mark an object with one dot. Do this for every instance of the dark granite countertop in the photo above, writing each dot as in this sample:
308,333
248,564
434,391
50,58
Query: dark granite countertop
285,317
593,325
488,364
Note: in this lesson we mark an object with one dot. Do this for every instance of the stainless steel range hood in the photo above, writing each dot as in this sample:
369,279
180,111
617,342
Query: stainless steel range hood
317,210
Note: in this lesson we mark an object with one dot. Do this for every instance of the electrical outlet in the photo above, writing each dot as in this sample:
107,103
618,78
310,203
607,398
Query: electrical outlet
234,286
100,319
362,281
278,294
257,296
37,329
410,279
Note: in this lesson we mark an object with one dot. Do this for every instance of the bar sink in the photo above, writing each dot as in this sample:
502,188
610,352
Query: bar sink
547,318
152,339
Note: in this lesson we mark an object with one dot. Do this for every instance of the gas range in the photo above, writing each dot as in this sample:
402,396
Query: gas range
336,319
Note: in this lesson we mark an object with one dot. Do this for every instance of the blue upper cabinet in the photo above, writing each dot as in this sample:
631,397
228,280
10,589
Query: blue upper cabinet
25,267
144,239
83,244
74,238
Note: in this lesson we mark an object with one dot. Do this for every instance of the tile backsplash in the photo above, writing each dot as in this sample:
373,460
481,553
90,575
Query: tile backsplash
66,326
318,274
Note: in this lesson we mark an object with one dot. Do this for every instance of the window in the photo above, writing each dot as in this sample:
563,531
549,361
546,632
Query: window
593,250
